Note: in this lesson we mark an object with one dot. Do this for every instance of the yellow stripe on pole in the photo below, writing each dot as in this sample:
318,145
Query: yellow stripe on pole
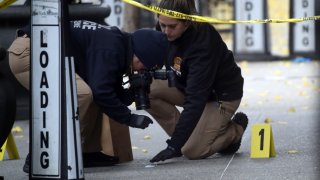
5,3
178,15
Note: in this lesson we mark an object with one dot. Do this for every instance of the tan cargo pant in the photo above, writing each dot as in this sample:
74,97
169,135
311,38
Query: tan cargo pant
90,116
214,131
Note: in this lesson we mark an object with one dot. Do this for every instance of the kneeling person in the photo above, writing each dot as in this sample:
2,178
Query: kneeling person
103,54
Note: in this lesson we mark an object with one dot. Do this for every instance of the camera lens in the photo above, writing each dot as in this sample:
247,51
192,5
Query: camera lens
140,83
142,100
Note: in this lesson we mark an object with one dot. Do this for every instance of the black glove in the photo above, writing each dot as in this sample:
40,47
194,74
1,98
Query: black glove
167,153
139,121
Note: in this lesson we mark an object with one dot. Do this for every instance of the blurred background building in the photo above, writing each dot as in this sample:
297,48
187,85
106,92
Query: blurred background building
281,41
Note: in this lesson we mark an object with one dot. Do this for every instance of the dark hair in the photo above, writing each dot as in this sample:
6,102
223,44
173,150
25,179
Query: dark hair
182,6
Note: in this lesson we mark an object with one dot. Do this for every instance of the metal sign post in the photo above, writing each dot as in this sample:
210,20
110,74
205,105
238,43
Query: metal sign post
117,13
55,135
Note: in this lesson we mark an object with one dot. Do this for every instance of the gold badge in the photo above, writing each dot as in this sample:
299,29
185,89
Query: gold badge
177,63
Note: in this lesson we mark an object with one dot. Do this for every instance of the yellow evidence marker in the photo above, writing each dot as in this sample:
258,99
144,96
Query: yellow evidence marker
262,143
11,148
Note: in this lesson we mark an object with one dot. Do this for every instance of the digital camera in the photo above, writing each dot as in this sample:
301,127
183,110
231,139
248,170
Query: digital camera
140,84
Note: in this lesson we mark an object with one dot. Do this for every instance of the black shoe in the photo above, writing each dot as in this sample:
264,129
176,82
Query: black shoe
99,159
95,159
26,166
241,119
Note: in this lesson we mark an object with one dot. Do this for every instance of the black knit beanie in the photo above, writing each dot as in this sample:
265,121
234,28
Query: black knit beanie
150,46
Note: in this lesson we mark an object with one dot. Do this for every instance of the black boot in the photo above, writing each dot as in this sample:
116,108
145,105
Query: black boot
26,166
241,119
93,159
99,159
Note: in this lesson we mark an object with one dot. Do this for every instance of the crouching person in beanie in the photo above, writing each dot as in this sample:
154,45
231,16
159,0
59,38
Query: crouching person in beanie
103,55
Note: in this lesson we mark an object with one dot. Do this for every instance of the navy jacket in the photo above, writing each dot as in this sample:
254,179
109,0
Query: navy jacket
206,71
102,56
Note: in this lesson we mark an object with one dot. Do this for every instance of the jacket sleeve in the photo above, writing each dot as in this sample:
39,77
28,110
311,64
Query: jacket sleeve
104,77
201,63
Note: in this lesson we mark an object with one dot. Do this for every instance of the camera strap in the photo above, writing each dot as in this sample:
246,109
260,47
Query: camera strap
169,60
129,59
129,56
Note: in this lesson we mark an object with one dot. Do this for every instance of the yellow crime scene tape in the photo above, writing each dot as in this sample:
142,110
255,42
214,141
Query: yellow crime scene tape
5,3
178,15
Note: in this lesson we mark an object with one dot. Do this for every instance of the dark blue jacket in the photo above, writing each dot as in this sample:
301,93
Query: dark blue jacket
207,71
102,56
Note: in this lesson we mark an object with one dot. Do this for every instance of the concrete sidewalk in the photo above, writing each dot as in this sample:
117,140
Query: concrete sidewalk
285,94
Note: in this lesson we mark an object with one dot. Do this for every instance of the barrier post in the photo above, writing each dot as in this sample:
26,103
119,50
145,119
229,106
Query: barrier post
55,134
11,148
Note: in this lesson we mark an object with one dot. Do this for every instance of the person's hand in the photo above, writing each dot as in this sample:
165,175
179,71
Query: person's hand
165,154
139,121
